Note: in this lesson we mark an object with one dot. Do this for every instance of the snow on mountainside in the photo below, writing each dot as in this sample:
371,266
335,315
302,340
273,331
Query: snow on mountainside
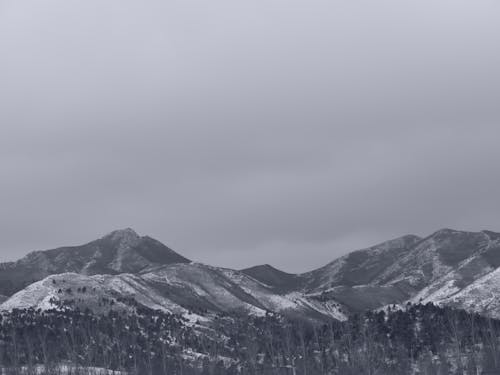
432,258
448,267
431,269
120,251
98,292
178,288
350,279
454,268
480,296
360,267
473,283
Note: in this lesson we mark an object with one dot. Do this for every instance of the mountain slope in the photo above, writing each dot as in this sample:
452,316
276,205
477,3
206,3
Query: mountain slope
477,273
448,267
273,277
480,296
176,288
360,267
118,252
432,269
434,257
350,279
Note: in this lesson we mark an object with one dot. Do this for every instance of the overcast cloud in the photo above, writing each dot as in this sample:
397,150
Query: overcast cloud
246,132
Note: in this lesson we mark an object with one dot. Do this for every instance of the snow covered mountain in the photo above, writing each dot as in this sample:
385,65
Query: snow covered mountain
118,252
449,267
192,290
360,267
465,274
352,279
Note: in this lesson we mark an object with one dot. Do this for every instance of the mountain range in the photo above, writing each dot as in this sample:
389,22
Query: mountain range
123,269
121,251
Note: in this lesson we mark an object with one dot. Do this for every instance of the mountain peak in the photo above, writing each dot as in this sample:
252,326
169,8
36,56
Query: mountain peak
266,267
122,238
400,242
131,252
272,276
449,232
121,251
445,231
121,234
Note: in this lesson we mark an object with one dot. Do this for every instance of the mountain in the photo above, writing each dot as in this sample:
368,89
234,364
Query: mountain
480,296
277,279
464,272
124,267
193,290
448,267
118,252
352,279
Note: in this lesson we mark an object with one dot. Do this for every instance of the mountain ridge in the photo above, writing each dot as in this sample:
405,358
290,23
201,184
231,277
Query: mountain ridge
117,252
269,275
447,267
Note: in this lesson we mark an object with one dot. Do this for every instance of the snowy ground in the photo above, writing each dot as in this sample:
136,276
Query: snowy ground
62,370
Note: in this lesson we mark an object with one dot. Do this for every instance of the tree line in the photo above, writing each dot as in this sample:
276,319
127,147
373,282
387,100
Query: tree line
418,339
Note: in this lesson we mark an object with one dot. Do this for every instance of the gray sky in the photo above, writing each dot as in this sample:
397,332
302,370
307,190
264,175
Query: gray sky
246,132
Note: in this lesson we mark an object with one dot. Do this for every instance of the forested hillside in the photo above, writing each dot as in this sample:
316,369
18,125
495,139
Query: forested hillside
420,339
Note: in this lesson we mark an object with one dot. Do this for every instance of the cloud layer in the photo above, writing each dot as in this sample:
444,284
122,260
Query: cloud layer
283,132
